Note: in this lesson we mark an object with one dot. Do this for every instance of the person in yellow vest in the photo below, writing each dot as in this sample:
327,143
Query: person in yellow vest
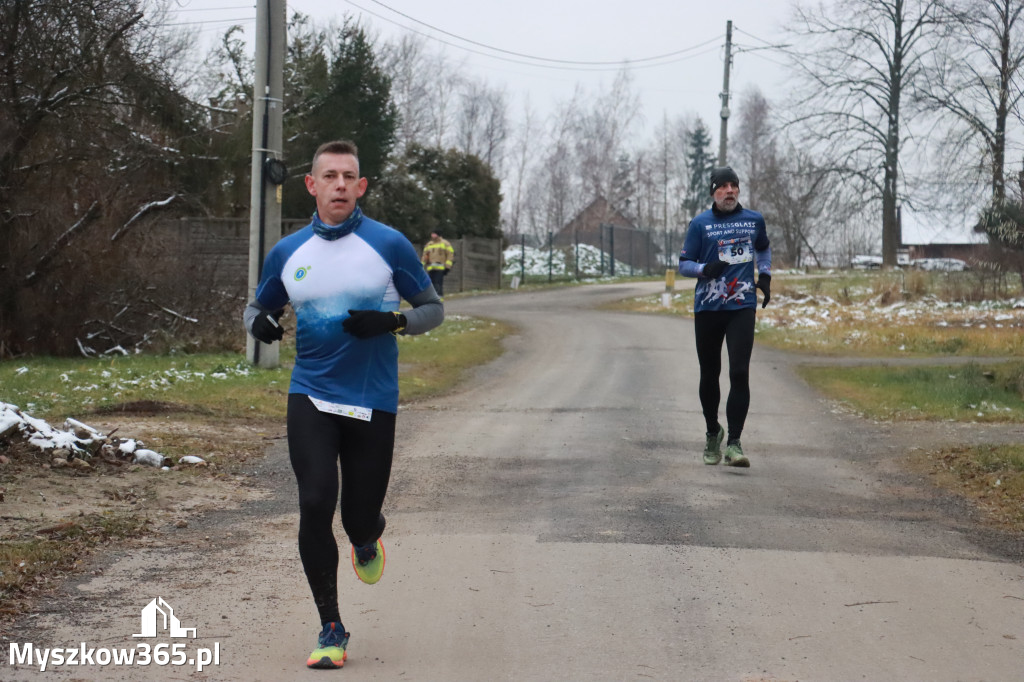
438,255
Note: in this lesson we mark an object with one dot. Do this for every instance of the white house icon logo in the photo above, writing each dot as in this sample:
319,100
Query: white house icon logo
151,621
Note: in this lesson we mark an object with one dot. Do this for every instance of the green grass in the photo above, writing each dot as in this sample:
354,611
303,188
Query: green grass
433,363
225,384
967,392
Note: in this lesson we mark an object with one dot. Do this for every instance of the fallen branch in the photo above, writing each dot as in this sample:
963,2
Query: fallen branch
146,208
90,216
171,312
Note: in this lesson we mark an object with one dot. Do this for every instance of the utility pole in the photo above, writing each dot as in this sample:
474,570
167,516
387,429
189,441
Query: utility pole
723,135
268,170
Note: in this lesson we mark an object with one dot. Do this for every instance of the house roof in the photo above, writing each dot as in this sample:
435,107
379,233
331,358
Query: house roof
597,212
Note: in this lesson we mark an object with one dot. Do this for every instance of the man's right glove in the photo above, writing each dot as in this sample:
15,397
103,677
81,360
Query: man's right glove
764,283
713,269
365,324
265,327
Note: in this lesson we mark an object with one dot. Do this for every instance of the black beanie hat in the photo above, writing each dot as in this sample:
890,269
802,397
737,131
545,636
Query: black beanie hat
720,176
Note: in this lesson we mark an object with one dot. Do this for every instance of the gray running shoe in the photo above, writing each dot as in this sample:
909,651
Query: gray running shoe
713,447
734,456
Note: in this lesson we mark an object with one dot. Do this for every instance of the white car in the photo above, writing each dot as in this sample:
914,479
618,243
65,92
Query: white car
941,264
866,262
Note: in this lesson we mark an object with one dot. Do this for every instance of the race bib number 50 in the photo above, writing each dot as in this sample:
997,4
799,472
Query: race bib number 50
733,251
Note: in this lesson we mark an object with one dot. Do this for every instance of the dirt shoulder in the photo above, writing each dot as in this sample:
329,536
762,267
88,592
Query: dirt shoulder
62,520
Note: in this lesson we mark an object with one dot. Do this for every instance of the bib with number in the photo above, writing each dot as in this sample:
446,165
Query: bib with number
363,413
733,251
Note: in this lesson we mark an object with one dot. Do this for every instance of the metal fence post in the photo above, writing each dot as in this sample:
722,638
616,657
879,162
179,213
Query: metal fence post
551,252
611,249
522,258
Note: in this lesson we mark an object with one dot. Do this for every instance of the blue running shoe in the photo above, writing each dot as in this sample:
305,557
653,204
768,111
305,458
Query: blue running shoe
330,651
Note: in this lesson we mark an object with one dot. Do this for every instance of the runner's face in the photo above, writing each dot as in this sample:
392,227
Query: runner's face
727,196
334,181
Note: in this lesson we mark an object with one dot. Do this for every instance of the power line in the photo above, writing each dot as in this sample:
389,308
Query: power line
777,47
562,65
766,42
207,22
528,56
208,9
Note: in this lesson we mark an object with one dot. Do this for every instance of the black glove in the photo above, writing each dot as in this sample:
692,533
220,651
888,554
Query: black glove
365,324
713,269
764,283
447,270
265,327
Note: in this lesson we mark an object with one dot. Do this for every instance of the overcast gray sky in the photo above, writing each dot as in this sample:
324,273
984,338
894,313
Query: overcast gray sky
481,36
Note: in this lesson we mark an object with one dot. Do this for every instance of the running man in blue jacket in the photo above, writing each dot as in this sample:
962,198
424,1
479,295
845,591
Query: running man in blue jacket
344,275
722,247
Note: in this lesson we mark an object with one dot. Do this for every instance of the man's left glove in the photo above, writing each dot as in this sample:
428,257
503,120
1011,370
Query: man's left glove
764,283
365,324
265,326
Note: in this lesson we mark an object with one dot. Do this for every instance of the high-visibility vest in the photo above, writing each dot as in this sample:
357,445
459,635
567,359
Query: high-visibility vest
438,255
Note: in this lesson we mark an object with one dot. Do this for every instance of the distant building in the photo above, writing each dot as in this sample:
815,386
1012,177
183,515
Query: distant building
924,237
972,254
602,225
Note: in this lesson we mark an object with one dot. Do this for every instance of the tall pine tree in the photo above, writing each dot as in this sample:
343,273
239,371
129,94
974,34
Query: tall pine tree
354,104
699,162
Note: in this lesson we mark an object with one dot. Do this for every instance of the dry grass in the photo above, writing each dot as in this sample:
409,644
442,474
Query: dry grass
876,314
989,475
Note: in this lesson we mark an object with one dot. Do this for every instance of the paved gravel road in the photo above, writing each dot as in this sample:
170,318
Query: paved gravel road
553,521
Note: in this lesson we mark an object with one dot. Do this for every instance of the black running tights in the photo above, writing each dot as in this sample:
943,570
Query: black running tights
736,328
317,443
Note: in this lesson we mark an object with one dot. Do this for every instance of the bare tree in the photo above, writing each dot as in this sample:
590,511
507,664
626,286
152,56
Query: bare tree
556,187
857,61
482,126
95,138
523,152
408,63
975,77
602,131
752,143
444,80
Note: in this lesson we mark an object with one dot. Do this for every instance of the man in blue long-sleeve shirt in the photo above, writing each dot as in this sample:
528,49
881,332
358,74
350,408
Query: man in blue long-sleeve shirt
723,245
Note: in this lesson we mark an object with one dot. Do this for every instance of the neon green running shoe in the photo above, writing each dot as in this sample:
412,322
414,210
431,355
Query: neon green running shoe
713,447
734,456
330,648
368,562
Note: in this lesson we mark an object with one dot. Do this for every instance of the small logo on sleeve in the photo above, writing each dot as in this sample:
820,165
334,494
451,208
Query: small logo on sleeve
301,273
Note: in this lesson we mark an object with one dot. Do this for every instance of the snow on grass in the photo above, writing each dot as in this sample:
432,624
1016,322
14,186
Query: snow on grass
560,261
